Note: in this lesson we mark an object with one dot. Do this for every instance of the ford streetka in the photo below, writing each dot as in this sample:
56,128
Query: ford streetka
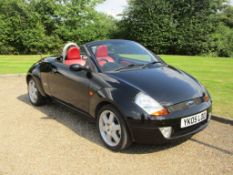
131,93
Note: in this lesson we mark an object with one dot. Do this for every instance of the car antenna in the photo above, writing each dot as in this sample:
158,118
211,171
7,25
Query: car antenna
40,55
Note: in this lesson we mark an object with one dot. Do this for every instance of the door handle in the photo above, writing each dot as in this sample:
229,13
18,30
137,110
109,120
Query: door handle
54,70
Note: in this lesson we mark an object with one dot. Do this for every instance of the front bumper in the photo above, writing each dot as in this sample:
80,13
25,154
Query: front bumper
147,131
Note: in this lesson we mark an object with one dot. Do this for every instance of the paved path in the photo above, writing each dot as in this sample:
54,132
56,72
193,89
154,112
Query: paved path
53,140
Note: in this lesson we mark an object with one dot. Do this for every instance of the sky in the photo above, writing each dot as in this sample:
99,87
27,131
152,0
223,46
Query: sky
112,7
115,7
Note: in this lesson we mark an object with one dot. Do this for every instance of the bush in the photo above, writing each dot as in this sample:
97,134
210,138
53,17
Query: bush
185,27
223,40
43,26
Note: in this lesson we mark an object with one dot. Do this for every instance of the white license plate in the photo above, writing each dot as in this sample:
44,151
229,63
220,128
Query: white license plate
192,120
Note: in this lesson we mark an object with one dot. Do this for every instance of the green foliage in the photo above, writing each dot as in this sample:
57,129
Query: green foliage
43,26
223,41
188,27
178,26
5,31
226,16
223,36
150,23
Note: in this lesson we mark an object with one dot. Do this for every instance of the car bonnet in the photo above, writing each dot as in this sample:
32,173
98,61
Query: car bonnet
165,84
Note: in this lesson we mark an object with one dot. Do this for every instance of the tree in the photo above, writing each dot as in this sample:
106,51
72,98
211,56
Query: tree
149,22
172,26
43,26
226,16
5,32
223,37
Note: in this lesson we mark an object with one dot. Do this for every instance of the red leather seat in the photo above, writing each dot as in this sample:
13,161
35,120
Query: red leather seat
102,55
73,57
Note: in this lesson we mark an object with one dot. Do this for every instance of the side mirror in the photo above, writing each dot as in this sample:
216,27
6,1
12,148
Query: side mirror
78,67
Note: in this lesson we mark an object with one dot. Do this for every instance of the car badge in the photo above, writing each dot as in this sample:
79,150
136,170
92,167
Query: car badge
190,103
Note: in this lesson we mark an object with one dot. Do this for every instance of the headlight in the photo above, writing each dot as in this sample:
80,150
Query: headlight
150,105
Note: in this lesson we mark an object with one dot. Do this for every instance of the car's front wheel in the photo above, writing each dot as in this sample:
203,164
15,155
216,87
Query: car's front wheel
34,94
112,129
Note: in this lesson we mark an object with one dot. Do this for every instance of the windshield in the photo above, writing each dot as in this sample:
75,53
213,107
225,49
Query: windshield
116,55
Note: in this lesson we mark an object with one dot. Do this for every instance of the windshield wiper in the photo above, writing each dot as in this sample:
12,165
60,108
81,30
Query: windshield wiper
151,63
129,66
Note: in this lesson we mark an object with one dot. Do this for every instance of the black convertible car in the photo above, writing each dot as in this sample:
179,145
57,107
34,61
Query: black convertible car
131,93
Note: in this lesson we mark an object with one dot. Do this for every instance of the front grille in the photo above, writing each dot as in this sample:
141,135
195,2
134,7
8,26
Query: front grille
185,105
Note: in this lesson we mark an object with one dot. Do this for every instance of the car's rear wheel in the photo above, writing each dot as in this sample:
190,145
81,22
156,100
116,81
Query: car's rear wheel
34,94
112,129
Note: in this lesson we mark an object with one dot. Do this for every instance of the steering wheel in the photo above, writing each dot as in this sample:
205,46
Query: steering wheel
116,58
103,59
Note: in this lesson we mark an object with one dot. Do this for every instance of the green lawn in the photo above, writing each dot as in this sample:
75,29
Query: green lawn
214,73
17,64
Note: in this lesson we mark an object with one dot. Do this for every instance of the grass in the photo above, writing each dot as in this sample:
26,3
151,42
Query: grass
17,63
216,74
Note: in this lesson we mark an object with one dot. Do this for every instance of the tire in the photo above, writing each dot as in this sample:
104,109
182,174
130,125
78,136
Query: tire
112,129
34,94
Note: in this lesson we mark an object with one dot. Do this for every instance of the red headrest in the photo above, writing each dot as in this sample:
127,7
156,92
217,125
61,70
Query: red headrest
73,53
102,51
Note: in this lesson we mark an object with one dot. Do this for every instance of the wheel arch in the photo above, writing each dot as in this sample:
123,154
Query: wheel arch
37,80
28,77
100,105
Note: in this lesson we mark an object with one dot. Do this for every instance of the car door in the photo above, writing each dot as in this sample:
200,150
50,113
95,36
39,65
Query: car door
69,86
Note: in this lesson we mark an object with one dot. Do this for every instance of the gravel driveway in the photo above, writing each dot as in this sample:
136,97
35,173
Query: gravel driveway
54,140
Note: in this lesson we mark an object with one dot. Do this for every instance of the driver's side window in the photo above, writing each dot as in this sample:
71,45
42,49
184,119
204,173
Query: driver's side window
89,63
83,54
85,57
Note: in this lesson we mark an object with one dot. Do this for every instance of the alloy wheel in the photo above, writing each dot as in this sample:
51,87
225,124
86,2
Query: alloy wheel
110,128
32,91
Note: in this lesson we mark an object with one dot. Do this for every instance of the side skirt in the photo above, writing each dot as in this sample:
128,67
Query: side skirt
83,114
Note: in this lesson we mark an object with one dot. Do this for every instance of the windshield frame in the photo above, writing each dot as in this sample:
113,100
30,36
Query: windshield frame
103,42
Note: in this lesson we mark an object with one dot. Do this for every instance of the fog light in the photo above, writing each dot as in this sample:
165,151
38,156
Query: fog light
166,131
209,117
